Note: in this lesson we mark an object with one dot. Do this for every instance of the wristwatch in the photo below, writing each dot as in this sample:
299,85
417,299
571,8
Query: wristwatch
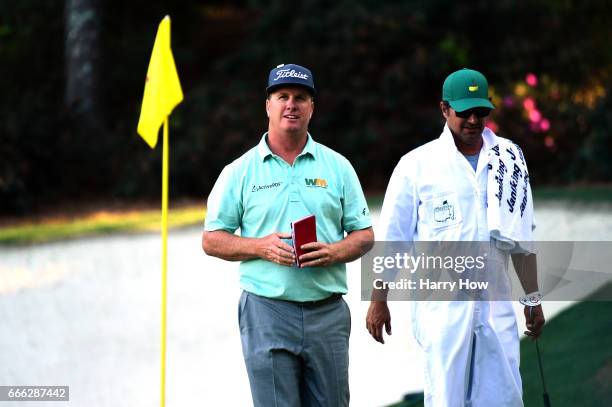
531,300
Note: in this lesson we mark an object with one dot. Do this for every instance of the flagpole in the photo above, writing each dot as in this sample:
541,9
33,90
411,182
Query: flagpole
162,94
164,222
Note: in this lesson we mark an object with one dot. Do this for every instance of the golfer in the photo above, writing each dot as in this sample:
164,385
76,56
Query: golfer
467,185
294,324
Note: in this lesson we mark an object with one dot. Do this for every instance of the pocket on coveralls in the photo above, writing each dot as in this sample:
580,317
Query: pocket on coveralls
443,210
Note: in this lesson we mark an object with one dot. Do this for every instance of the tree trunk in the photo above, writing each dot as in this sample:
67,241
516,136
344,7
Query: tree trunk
82,54
83,140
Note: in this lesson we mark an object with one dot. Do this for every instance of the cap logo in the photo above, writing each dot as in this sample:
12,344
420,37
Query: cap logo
473,88
286,73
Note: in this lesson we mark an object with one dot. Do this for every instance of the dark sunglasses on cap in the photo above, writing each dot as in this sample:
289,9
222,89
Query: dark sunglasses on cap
479,112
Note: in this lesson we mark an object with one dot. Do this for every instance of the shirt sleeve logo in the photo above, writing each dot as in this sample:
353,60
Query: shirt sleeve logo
315,182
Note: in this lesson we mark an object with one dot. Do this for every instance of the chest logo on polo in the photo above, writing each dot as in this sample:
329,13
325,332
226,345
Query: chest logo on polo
316,182
444,212
257,188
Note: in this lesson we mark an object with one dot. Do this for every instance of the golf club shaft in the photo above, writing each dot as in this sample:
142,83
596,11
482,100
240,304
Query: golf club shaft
545,393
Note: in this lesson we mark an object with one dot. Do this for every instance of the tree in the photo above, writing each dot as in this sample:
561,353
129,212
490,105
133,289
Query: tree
82,55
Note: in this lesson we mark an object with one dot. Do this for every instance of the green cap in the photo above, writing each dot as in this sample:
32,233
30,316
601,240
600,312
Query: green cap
465,89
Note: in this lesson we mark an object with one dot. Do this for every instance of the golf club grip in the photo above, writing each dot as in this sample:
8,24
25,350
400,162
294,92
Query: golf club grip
546,400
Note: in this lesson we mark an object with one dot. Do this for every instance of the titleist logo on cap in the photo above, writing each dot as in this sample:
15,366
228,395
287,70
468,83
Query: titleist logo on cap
286,73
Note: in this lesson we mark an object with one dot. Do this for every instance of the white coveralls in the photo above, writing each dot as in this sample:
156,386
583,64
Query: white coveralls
471,347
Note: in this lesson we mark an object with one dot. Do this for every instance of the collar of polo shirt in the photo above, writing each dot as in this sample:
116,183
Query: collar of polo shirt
264,150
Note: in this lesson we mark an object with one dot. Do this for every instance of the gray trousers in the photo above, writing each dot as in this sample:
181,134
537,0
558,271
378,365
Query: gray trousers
295,354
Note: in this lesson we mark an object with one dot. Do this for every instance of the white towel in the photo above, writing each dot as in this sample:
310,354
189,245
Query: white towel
509,201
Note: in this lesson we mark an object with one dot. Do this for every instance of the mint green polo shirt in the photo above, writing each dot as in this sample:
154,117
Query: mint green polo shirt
260,193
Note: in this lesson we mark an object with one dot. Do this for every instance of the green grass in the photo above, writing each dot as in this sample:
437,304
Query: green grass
593,194
375,201
411,400
582,194
105,222
99,223
576,350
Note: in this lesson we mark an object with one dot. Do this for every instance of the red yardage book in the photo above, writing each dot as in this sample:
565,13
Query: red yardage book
303,231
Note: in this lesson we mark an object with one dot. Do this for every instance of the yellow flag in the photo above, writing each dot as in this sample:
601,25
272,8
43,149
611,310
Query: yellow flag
162,87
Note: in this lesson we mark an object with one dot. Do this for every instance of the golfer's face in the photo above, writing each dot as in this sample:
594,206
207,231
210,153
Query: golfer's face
289,109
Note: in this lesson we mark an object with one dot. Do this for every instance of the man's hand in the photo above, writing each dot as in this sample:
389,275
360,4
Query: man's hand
378,315
319,254
273,249
353,246
534,322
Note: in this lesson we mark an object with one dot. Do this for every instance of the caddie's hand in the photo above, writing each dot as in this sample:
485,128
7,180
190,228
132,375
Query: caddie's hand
319,254
273,249
378,315
534,322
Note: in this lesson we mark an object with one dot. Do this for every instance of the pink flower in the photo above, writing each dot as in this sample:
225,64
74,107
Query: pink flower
545,125
531,79
549,142
492,125
529,104
535,116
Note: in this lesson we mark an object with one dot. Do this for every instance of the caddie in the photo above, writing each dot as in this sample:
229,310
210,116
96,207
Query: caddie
480,183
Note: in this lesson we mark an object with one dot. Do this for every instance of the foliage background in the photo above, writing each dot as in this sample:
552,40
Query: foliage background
378,65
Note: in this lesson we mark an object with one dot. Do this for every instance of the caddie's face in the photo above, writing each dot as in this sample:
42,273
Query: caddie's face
289,109
468,128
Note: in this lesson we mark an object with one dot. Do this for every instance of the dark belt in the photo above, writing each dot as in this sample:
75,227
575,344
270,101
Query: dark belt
330,299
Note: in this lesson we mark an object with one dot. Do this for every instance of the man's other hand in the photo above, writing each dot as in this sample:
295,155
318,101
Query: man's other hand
534,322
319,255
378,316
